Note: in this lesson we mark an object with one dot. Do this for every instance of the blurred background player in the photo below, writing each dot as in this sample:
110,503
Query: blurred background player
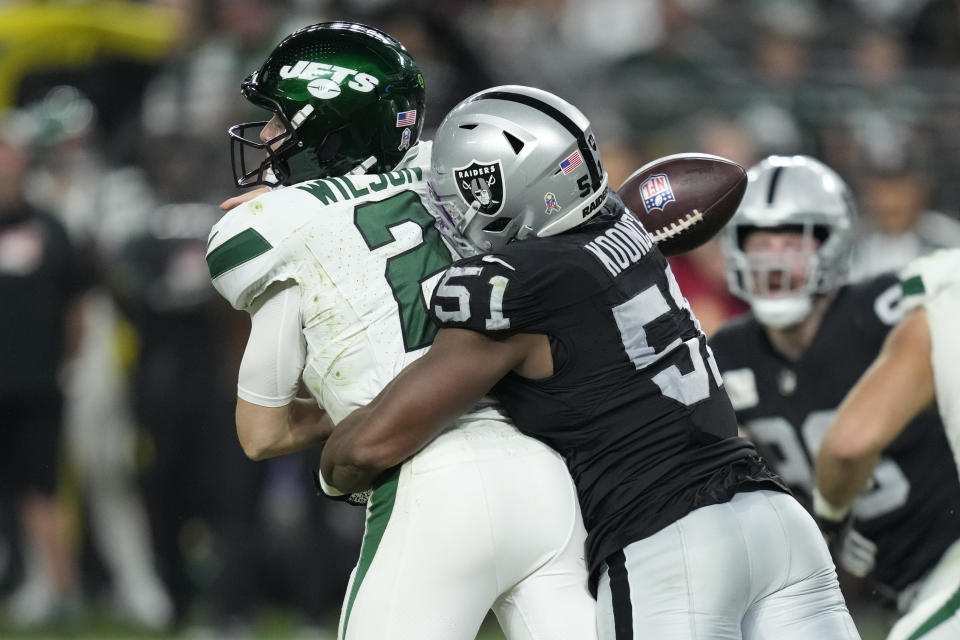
788,364
917,366
42,278
333,273
100,210
672,497
898,222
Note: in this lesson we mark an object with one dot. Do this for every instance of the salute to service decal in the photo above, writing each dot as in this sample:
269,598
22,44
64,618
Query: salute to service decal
481,186
550,199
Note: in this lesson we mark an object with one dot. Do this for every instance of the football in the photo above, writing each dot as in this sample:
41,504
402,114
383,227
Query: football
683,200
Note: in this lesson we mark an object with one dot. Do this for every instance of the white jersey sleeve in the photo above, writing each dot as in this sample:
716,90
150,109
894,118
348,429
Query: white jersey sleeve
925,277
254,245
276,350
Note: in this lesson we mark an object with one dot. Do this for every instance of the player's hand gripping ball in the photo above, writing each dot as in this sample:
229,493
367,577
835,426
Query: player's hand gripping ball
683,200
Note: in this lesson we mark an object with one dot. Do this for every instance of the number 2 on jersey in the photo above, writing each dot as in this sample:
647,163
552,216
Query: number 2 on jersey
407,270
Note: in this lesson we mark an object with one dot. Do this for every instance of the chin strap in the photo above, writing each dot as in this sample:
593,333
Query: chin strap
363,167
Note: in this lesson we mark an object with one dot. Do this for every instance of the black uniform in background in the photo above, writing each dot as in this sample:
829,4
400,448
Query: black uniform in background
40,276
911,512
634,404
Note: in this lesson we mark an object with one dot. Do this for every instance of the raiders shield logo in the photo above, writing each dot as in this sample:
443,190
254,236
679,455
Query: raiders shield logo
481,186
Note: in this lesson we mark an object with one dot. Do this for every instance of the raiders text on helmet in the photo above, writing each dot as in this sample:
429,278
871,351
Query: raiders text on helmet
350,97
798,194
514,161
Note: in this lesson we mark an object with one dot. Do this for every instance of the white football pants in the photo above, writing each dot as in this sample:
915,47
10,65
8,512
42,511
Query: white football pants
754,568
483,518
934,613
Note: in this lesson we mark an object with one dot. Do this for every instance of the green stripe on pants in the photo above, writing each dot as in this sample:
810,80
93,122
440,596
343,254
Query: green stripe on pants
949,608
378,515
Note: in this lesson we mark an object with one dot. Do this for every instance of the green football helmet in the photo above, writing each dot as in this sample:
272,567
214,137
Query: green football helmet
351,100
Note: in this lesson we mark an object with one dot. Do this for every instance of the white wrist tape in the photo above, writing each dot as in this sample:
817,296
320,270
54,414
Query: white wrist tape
328,489
826,510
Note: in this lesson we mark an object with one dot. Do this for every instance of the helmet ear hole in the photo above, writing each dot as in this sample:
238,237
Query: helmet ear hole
821,233
743,232
330,147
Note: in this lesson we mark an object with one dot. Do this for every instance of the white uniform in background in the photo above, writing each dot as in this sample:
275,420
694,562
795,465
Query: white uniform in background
933,282
336,274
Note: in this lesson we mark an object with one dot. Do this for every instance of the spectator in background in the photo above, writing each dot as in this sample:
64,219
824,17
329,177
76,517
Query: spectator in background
41,278
193,94
453,70
934,36
98,46
71,181
896,222
776,103
870,110
654,85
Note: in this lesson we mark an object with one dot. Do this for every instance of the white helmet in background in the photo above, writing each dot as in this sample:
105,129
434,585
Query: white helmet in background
513,162
796,194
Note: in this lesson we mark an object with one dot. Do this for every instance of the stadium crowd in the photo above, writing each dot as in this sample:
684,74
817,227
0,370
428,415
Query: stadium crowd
125,493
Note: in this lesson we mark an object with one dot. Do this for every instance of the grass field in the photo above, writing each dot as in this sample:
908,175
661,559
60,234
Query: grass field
281,624
273,626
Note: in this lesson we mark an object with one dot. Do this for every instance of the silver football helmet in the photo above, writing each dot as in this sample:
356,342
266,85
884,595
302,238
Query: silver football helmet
790,194
513,162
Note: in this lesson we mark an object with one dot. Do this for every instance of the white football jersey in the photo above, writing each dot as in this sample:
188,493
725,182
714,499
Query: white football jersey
366,253
933,281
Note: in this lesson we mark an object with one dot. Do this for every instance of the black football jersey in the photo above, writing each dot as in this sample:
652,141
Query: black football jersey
635,404
910,511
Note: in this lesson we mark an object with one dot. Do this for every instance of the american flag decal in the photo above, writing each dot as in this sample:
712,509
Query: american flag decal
572,161
407,118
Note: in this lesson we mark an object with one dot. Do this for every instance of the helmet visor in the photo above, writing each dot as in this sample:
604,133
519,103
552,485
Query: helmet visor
774,273
780,263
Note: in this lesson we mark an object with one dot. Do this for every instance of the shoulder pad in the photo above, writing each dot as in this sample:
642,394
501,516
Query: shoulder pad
249,246
928,275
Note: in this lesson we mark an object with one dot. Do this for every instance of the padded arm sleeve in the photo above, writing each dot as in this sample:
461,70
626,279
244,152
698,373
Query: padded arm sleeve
276,351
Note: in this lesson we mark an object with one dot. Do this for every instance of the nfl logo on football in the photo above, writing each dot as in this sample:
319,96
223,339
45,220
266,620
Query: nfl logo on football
656,192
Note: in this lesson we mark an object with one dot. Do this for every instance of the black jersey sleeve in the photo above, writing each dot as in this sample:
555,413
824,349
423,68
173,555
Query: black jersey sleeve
488,294
876,303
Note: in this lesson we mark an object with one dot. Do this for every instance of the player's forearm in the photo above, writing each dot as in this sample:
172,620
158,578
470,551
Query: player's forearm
849,451
876,411
308,425
349,478
410,412
345,463
267,432
840,480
